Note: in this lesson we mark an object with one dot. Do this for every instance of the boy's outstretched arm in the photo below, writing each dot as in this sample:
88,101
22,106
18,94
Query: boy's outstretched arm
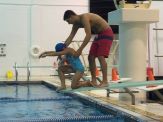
53,53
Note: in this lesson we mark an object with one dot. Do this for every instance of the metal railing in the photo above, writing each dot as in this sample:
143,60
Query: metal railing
28,72
28,68
16,71
157,29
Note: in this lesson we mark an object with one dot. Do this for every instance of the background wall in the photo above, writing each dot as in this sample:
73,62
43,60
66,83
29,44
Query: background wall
25,23
156,41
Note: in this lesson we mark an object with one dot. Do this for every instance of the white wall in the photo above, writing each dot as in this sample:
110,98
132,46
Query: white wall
156,46
13,33
25,23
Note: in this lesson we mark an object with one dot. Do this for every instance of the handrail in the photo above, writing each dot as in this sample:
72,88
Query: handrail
157,28
158,55
28,72
28,67
16,72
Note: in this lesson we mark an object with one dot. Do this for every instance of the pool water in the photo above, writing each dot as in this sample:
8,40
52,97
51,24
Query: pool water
18,102
27,91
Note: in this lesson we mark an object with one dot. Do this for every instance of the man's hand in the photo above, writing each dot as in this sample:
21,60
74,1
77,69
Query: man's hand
43,55
77,53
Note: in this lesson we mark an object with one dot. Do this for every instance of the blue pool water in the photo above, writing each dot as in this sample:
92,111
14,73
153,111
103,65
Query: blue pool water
27,91
39,102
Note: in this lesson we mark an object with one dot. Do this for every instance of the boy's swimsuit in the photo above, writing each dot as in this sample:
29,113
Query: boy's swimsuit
102,43
75,63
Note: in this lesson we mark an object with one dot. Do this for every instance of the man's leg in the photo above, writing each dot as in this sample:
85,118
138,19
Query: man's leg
103,65
92,67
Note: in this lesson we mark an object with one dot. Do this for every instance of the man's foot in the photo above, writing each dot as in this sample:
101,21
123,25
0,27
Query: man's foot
60,88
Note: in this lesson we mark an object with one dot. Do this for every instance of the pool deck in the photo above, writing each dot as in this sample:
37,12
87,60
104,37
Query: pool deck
152,110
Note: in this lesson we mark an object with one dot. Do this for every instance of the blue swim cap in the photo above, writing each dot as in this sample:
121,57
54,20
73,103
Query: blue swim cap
59,47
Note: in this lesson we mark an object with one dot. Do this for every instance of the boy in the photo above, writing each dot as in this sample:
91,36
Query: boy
74,65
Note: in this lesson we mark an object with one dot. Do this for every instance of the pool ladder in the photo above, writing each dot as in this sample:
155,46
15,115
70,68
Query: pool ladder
28,71
28,67
16,71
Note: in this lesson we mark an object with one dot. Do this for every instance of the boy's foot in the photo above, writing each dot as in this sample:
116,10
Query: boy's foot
93,83
85,84
89,83
102,84
60,88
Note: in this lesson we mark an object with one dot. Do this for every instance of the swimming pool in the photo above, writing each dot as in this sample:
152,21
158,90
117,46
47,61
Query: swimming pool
38,101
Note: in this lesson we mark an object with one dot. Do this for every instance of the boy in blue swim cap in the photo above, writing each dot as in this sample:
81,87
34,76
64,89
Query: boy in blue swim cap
74,65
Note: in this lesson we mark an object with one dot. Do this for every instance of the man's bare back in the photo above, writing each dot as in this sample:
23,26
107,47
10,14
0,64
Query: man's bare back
92,24
96,22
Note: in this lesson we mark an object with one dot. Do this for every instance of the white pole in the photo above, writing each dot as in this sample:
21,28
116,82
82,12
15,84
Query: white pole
132,49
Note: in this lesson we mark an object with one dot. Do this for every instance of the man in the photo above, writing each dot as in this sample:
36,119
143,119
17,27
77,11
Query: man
92,24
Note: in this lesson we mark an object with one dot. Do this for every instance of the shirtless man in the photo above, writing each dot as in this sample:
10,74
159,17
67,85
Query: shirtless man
92,24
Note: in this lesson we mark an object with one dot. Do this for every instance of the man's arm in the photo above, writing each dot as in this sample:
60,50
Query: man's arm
87,27
72,34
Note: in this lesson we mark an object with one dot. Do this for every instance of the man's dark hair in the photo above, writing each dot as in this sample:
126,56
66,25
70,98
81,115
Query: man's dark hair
68,14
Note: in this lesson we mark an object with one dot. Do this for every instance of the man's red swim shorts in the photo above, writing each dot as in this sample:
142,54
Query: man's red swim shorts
102,43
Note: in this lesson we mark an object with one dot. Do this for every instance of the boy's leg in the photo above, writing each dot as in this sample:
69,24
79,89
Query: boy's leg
76,79
62,78
61,73
92,67
103,65
76,83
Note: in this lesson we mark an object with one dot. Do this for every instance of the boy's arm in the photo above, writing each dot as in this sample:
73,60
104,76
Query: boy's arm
53,53
72,34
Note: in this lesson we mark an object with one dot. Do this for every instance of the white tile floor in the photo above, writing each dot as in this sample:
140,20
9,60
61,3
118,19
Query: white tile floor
152,107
